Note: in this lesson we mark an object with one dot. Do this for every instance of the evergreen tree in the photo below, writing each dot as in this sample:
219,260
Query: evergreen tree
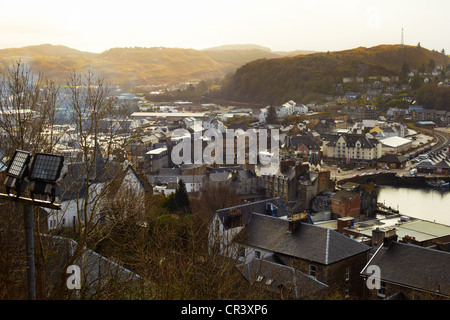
271,117
405,69
181,197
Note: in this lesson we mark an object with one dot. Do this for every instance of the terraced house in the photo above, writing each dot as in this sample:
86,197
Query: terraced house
284,252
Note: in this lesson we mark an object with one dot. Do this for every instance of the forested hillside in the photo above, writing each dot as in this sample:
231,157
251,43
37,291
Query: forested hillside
277,80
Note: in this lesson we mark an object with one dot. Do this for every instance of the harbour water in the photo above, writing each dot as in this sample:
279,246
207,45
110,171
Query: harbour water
426,204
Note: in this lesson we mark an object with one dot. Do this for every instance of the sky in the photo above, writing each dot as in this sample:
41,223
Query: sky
281,25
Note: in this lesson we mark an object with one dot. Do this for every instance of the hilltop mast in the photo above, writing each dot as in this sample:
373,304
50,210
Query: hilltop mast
402,42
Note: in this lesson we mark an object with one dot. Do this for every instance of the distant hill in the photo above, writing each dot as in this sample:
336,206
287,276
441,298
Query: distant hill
136,66
44,50
53,60
123,66
238,47
235,55
276,80
295,53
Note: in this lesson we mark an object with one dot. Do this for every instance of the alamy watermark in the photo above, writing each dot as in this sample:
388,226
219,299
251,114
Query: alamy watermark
230,147
74,280
374,280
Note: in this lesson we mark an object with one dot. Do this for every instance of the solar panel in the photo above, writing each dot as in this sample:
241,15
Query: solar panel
46,167
18,162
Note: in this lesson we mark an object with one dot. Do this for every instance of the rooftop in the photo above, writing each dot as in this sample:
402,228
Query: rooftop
307,241
168,114
398,257
394,142
421,230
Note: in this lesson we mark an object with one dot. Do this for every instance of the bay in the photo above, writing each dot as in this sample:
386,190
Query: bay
426,204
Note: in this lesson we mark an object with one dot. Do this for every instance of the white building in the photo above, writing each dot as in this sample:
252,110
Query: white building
395,145
74,195
214,124
301,109
263,114
287,109
353,147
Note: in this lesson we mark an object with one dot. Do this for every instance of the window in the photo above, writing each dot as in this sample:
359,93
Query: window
312,271
381,292
258,254
241,252
217,226
347,274
269,282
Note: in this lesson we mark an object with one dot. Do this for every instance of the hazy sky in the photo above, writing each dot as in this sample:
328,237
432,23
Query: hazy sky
282,25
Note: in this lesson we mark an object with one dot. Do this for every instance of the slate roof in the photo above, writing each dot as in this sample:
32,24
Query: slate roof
392,158
219,176
73,185
352,139
169,171
344,194
296,141
436,160
96,269
413,266
307,242
272,276
248,209
162,180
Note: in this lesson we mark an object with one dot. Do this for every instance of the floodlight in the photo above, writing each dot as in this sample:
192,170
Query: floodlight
44,174
16,172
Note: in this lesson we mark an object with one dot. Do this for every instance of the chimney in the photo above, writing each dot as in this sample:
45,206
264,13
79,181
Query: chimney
295,220
383,237
271,210
344,222
235,218
286,164
390,236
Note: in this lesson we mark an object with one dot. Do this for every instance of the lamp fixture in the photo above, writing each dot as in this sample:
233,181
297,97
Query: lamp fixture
17,171
44,173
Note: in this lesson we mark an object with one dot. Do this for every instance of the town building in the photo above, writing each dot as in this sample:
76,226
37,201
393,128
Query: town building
437,163
392,161
396,145
263,231
346,204
352,148
409,271
156,159
80,192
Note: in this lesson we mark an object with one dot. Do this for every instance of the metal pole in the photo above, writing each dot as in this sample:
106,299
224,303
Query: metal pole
28,205
29,245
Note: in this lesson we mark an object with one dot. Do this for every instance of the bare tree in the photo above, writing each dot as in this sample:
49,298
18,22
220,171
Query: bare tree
27,115
27,107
